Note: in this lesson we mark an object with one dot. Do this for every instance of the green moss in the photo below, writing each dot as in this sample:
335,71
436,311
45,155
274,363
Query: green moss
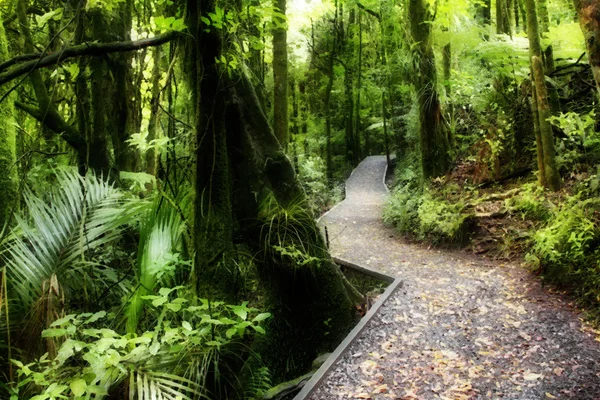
8,159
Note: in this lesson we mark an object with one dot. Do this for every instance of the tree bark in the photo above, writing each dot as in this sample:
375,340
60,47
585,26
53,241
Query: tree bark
213,224
154,111
588,12
8,149
243,175
280,76
434,145
551,173
358,129
502,17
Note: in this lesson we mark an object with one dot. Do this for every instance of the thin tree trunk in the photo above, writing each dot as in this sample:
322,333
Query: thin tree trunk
349,92
385,130
551,174
280,77
538,137
8,149
544,18
327,100
154,110
502,18
358,129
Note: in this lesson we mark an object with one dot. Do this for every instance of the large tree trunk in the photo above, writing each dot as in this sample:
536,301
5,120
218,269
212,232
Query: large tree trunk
102,84
8,149
270,204
213,224
280,77
589,19
435,159
126,157
243,175
552,177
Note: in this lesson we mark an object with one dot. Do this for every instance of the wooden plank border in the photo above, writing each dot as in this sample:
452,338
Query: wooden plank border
324,370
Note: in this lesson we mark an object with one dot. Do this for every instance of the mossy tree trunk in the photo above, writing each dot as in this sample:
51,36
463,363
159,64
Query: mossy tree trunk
588,12
154,110
126,157
503,17
550,173
434,145
243,180
8,147
312,305
327,97
280,75
351,151
358,123
213,219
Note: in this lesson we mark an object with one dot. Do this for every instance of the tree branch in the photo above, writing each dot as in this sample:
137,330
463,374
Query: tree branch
373,13
85,49
55,123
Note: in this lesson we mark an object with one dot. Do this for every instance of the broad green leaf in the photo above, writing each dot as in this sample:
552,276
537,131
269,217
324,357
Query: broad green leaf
78,387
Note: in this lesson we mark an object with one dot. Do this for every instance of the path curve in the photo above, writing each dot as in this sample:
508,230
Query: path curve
460,327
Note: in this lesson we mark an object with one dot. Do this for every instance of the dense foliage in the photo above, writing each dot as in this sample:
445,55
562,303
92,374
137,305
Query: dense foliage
164,164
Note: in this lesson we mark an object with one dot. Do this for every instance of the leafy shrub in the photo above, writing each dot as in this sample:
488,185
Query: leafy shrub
402,210
170,361
313,176
529,203
425,217
441,221
567,252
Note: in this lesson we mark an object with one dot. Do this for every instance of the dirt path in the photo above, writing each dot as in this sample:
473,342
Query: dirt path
459,328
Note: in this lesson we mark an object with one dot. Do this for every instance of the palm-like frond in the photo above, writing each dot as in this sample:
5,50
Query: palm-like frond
82,214
153,385
160,237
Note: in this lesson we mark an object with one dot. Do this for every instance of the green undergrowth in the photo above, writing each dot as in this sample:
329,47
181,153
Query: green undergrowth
424,215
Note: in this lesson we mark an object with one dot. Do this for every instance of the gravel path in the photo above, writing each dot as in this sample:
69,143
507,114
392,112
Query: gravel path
459,327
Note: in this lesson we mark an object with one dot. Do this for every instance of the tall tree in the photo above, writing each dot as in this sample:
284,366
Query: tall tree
551,176
244,181
280,74
8,151
434,145
588,12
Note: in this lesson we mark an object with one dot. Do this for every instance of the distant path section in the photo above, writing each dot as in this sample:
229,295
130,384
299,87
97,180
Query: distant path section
461,327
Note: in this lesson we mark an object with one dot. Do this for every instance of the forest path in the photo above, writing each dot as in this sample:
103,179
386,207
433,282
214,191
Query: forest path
460,327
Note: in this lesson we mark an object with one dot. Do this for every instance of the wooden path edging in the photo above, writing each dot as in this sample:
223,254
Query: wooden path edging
343,347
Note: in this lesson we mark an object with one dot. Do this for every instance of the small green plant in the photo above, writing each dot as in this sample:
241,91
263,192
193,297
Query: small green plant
422,215
530,203
566,251
402,210
441,221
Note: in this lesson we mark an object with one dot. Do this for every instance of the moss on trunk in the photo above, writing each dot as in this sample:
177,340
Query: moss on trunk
552,177
8,150
434,145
